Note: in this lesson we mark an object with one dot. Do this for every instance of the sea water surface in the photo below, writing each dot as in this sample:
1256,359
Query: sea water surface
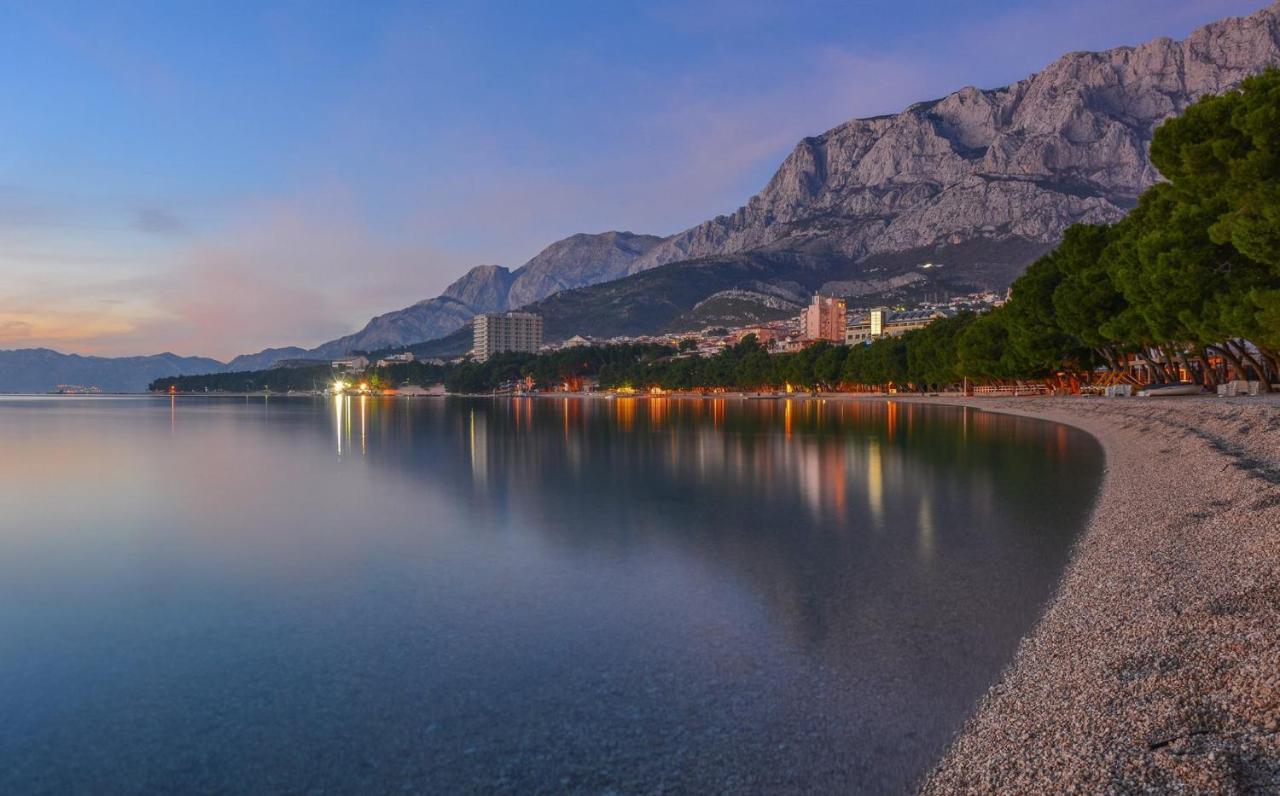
363,595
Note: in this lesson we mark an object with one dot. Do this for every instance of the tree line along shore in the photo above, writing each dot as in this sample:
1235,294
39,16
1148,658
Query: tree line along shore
1186,287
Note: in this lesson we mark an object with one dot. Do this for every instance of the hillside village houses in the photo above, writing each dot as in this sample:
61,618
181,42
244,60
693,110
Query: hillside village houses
824,318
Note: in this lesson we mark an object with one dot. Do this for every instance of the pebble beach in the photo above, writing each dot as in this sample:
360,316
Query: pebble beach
1156,667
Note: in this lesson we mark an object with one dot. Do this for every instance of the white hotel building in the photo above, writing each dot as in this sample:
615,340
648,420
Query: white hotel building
498,332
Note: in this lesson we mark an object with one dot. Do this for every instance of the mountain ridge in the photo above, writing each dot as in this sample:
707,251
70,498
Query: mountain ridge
42,370
579,260
1063,145
982,180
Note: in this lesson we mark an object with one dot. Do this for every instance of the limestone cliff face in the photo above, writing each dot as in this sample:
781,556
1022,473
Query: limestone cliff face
482,289
1065,145
577,261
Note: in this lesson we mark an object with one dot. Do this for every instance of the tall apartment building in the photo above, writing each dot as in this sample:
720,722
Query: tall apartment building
823,319
496,332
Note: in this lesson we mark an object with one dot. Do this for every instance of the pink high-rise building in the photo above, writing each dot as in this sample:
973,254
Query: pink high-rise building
823,319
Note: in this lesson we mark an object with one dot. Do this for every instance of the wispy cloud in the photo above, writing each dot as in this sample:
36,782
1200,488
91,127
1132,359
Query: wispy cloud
157,221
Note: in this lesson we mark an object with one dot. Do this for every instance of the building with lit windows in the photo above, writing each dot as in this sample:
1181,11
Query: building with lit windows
498,332
883,322
823,319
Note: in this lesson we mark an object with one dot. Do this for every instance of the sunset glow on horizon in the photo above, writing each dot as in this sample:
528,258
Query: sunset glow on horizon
211,181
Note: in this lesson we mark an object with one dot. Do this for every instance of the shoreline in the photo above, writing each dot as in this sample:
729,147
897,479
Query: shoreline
1156,665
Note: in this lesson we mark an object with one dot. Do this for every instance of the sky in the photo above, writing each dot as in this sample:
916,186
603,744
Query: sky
212,178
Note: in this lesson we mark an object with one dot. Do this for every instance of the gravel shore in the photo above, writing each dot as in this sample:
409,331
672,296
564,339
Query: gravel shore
1156,668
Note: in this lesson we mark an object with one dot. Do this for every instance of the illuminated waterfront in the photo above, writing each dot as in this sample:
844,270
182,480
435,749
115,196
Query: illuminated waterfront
364,594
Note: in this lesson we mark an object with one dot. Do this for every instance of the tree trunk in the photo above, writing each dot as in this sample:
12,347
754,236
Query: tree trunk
1234,366
1257,366
1207,377
1272,359
1186,365
1166,362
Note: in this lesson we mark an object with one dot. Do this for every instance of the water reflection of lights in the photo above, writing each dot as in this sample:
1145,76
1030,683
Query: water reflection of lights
659,409
875,481
626,412
337,420
925,523
363,435
342,422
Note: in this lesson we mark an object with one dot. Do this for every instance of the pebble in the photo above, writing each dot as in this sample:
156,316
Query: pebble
1154,670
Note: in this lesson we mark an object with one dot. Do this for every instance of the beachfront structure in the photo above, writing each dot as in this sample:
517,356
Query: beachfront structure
883,322
351,363
497,332
823,319
395,359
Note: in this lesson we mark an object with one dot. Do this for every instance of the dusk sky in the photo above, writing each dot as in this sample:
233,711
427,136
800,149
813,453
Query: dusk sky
214,178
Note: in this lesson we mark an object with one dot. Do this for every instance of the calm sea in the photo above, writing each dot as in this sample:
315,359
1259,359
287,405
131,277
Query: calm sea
363,595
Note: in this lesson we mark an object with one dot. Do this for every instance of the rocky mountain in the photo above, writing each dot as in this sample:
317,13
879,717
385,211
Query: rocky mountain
980,182
1025,161
977,184
265,358
754,286
576,261
41,370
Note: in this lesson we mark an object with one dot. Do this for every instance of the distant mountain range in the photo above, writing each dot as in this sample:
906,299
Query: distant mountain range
38,370
980,181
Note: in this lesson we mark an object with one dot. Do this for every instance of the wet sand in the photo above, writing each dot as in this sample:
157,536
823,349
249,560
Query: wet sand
1156,668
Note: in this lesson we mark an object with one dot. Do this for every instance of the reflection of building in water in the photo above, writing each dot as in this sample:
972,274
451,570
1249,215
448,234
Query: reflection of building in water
875,482
479,449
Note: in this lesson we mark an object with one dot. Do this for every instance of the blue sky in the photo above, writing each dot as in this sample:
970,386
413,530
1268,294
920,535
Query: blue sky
213,178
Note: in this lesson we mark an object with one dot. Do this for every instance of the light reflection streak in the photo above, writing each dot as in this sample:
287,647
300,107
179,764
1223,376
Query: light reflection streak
363,435
925,523
337,420
875,481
